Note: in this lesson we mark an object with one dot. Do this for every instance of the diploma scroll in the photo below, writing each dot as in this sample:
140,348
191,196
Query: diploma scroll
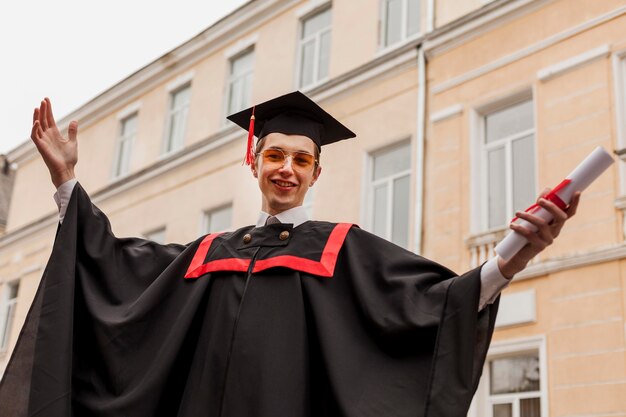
579,179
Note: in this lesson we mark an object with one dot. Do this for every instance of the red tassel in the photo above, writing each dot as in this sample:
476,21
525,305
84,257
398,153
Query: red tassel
249,151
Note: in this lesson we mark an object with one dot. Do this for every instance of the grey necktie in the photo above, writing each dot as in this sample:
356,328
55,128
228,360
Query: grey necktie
271,220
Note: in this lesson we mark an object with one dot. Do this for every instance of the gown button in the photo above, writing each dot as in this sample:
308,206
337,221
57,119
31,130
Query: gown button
284,235
247,238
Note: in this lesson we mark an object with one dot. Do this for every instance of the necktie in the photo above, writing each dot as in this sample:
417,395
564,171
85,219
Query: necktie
271,220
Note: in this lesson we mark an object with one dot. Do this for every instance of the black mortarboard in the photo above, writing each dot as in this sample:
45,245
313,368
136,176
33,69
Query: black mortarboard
291,114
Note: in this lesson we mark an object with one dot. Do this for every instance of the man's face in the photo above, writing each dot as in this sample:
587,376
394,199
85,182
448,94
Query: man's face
284,185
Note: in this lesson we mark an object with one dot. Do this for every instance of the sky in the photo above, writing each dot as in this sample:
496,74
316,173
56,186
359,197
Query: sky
71,50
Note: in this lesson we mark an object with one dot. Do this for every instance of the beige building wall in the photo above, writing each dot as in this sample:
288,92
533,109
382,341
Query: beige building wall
564,54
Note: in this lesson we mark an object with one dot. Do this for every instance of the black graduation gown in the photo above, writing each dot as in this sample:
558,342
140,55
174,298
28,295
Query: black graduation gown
320,320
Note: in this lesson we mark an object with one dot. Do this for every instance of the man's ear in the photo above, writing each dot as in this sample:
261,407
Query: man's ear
316,175
253,168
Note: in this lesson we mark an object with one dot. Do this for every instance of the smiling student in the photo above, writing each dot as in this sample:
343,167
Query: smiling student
288,317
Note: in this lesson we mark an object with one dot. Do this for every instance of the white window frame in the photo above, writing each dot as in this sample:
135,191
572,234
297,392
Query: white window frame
323,8
483,401
250,49
619,70
369,186
480,178
172,112
404,36
7,315
121,171
206,219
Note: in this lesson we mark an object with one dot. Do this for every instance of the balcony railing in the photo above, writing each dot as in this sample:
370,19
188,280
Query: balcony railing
481,246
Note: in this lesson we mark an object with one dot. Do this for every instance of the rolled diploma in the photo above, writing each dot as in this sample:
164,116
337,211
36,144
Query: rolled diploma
581,177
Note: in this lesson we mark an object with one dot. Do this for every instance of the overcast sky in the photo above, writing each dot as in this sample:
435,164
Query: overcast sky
71,50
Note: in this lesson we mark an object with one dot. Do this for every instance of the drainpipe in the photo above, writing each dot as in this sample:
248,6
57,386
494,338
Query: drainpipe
430,16
419,149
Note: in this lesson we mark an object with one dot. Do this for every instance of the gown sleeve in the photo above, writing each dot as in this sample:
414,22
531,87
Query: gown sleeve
413,322
98,295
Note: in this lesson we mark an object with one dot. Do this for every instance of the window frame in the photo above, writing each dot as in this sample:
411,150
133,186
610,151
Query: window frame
483,401
119,145
206,220
7,314
404,36
171,112
322,8
619,86
478,153
248,49
370,184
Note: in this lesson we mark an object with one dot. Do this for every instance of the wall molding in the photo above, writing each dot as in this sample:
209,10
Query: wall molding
569,64
446,113
223,137
180,81
573,261
525,52
128,110
241,46
393,62
476,23
313,6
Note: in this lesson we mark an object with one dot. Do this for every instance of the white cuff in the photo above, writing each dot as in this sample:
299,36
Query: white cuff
492,282
63,195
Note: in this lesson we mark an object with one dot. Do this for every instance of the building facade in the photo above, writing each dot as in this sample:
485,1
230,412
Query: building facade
464,111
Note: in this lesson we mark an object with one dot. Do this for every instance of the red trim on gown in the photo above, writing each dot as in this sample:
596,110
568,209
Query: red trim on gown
325,267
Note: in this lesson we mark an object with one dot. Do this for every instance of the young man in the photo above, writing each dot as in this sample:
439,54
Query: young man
289,317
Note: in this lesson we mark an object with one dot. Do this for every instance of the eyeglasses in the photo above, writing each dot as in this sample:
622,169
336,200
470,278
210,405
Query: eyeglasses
301,161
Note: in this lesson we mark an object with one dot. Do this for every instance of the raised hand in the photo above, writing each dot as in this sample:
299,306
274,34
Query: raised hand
59,154
542,238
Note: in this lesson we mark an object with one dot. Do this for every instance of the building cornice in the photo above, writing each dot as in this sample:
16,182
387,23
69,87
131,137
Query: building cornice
225,136
476,23
396,60
244,19
526,51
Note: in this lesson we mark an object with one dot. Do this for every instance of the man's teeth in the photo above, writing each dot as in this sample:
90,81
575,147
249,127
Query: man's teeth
284,184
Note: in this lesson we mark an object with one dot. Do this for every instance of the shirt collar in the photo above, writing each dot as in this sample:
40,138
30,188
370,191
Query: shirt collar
295,216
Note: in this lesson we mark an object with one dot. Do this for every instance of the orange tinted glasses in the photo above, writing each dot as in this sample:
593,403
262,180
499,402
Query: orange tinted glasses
301,161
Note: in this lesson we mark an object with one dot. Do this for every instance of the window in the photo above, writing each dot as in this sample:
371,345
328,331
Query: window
620,113
128,130
514,381
401,20
218,220
157,235
177,118
508,153
389,182
314,49
514,386
8,313
240,82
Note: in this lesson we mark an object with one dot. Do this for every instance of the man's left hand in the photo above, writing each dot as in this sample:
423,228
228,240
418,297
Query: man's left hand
542,238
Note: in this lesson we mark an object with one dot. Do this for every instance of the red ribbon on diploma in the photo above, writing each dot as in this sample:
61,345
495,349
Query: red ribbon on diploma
551,196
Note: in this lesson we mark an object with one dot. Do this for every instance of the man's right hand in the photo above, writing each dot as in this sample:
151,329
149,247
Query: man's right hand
59,154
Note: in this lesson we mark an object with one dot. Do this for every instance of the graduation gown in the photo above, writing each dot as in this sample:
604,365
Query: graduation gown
320,320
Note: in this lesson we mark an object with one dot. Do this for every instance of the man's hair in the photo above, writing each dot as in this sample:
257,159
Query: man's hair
261,142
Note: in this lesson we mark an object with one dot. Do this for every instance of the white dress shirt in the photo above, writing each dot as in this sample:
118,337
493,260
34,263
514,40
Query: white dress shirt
492,280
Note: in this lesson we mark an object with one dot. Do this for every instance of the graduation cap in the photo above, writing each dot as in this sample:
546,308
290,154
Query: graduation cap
290,114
